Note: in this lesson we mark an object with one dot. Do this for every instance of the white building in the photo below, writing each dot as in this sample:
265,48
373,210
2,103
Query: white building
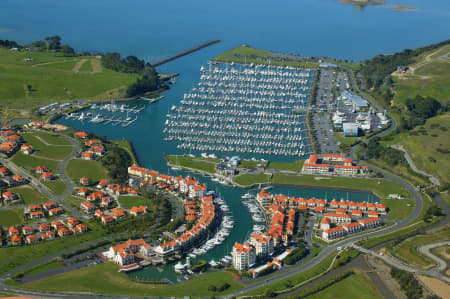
244,256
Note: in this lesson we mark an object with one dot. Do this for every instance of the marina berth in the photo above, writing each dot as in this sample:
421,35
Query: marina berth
243,108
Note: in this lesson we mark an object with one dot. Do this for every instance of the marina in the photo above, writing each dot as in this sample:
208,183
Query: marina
244,108
105,114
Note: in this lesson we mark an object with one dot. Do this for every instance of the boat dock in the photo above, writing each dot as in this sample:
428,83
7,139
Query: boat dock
192,50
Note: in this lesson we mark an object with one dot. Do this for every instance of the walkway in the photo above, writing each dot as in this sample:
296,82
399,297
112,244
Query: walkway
426,251
433,178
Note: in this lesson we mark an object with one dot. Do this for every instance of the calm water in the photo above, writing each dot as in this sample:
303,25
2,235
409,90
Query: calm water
157,29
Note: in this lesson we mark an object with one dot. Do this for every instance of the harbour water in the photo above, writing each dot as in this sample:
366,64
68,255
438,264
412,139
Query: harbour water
154,30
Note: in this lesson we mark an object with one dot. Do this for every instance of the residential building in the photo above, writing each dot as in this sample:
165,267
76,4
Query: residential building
244,256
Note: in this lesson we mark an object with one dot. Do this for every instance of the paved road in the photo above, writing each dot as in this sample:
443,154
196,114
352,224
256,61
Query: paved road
425,250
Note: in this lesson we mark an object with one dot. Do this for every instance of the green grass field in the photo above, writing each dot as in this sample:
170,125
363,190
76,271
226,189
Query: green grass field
399,208
295,166
46,151
54,80
93,170
431,78
353,286
251,164
11,217
74,201
246,54
22,255
52,138
43,267
57,187
130,201
31,162
195,163
407,250
250,179
86,67
28,194
432,157
105,279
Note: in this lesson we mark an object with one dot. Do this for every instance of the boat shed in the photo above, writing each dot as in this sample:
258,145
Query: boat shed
357,101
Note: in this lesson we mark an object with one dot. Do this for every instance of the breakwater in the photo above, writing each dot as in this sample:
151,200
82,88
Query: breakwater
192,50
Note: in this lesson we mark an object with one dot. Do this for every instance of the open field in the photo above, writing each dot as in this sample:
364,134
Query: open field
130,201
290,166
250,179
30,162
47,151
429,76
11,217
399,209
22,255
105,279
43,267
432,158
439,287
28,194
51,78
251,164
407,250
57,187
93,170
353,286
246,54
195,163
73,201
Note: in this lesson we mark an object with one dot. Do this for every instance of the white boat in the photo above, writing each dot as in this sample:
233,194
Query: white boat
247,196
179,268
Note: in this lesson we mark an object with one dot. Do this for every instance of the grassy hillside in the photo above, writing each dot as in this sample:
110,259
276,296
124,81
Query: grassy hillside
51,76
428,144
429,76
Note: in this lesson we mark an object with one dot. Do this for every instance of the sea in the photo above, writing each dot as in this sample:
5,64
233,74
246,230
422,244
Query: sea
154,30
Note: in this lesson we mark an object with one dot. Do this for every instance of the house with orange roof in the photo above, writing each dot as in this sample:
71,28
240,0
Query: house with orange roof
57,225
333,233
319,209
118,214
106,202
16,240
264,197
370,223
87,207
47,176
95,195
346,170
81,228
341,211
339,219
354,227
14,138
107,219
18,178
102,184
41,169
124,254
9,196
135,170
197,191
84,181
372,214
83,191
138,211
263,244
56,211
333,157
50,234
87,156
325,223
316,168
371,207
81,134
381,208
62,232
72,222
34,208
244,256
32,239
26,149
4,171
357,213
35,124
37,215
92,142
27,230
50,205
44,227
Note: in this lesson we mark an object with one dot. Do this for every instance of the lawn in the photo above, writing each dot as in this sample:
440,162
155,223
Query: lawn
57,187
130,201
446,197
28,194
11,217
93,170
407,250
250,179
353,286
31,162
105,279
431,158
208,165
86,67
295,279
246,54
381,188
251,164
293,166
46,151
53,81
42,267
25,254
399,209
431,78
52,138
74,201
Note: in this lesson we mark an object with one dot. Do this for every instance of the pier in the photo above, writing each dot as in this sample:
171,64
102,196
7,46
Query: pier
192,50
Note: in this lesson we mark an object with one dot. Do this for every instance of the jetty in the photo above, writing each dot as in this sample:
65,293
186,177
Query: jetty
192,50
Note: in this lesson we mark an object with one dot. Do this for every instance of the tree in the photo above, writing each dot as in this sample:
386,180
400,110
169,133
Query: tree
67,50
53,42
